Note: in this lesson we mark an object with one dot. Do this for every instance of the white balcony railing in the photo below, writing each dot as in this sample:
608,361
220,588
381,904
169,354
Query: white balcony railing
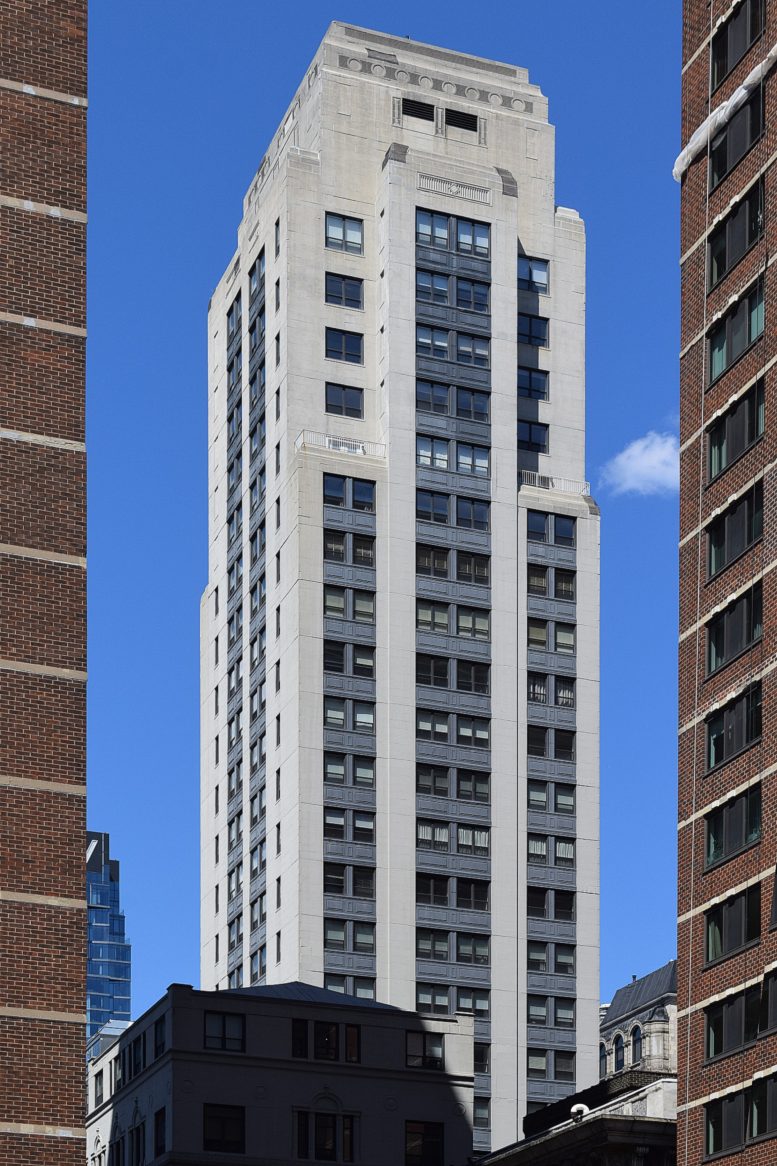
548,482
308,439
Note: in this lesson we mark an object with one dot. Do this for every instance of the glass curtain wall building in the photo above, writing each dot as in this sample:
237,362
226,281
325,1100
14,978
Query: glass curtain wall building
108,972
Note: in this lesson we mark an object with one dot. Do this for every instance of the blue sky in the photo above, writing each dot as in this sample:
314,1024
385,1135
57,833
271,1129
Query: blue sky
184,95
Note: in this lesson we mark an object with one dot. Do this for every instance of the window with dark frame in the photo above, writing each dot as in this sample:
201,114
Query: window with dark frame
735,629
734,727
732,925
732,827
741,525
344,400
223,1128
732,238
740,133
344,290
346,346
740,327
733,39
734,432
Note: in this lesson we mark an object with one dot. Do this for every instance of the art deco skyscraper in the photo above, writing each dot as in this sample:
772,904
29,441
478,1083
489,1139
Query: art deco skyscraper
727,944
400,630
42,581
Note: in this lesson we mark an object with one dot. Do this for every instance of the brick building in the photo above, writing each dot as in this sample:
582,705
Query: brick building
727,946
42,580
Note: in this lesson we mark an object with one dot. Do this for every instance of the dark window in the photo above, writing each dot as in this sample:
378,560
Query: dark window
736,430
431,397
334,490
461,120
474,350
472,786
334,546
224,1128
344,234
618,1050
432,561
334,884
353,1044
420,109
431,287
536,526
533,436
363,494
432,890
432,670
234,318
537,902
734,38
344,401
536,741
564,906
740,327
733,142
533,383
363,550
472,568
734,727
325,1041
732,925
472,513
325,1137
159,1036
334,656
563,1066
732,1023
225,1030
732,827
348,346
735,530
424,1050
472,295
482,1058
472,404
736,234
433,780
431,507
432,230
473,238
533,274
363,882
424,1142
472,894
533,330
160,1132
344,290
736,628
563,530
471,677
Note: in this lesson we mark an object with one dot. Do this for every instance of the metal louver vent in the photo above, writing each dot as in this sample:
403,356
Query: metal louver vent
420,109
462,121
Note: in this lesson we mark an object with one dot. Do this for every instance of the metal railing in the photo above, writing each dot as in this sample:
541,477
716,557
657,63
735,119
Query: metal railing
309,439
548,482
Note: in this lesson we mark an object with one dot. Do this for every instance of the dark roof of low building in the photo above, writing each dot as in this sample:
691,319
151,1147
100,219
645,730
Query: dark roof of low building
543,1120
308,994
640,994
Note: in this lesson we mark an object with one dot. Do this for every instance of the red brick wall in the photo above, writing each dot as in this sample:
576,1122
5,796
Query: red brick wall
42,600
699,597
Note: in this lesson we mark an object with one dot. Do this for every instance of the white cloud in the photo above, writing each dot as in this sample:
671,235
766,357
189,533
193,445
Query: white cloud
648,465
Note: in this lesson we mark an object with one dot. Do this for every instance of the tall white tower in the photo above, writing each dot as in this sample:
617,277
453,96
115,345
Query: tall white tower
400,663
